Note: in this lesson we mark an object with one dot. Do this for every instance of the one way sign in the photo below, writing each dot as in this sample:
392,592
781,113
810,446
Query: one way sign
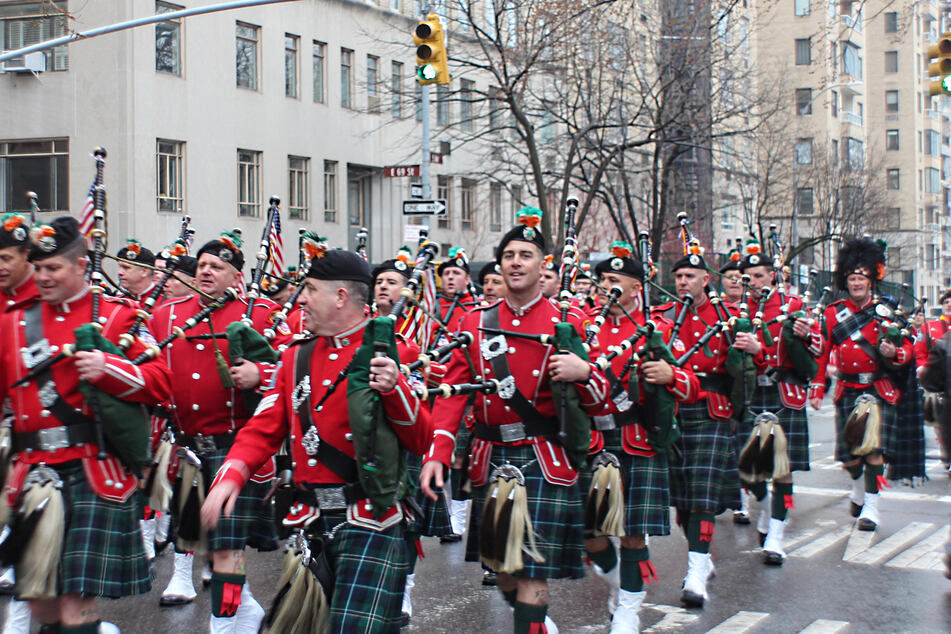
424,207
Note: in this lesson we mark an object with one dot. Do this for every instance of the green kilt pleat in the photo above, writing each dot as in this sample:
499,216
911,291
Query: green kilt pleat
370,568
844,407
646,488
557,518
795,424
435,519
703,473
102,551
906,456
251,523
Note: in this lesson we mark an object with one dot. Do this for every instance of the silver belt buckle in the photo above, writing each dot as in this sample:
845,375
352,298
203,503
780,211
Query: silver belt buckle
764,380
37,353
604,423
512,432
331,499
53,438
865,377
205,445
47,394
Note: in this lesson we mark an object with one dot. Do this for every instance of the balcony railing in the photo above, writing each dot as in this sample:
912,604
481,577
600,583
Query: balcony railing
851,23
851,117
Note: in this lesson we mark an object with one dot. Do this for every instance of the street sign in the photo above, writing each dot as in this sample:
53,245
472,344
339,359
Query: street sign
424,207
397,171
416,190
435,157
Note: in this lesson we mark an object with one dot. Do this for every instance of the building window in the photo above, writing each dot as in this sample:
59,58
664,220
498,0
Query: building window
291,46
373,83
495,103
466,202
891,101
804,201
41,166
891,22
320,68
444,192
893,221
835,103
466,95
169,189
804,151
495,207
932,180
168,40
26,23
330,191
893,178
346,78
298,187
516,202
932,143
803,51
851,61
802,7
891,61
891,140
246,59
419,101
854,152
804,100
249,183
396,90
442,104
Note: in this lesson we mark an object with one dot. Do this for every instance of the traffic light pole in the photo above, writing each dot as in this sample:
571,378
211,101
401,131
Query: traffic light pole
424,163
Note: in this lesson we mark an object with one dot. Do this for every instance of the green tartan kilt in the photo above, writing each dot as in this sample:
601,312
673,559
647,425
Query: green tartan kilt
703,473
370,569
646,488
794,422
102,551
906,457
251,523
557,518
435,519
844,407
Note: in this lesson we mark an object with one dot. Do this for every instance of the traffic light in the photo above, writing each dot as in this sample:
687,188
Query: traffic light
432,61
940,51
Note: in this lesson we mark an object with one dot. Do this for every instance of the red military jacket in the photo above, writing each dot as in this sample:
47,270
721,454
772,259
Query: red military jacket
199,403
852,359
931,332
22,296
148,383
276,417
528,364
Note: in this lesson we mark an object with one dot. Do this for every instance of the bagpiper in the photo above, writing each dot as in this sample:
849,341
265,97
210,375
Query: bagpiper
931,333
550,281
135,270
17,286
493,286
730,278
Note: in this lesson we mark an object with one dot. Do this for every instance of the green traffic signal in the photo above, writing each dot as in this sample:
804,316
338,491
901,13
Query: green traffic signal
427,72
946,84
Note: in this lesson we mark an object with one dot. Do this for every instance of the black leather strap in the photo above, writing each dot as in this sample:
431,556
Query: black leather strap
718,383
75,435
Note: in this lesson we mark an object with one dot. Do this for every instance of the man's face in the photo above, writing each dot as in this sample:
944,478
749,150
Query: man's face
493,287
582,285
60,278
158,273
215,275
630,291
134,278
859,287
760,277
174,287
386,290
731,285
691,282
946,306
521,266
549,283
14,267
454,279
320,301
280,298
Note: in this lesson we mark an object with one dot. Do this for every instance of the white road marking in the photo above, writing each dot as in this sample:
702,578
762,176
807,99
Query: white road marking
930,545
859,542
880,551
740,622
802,537
818,545
825,626
888,494
675,618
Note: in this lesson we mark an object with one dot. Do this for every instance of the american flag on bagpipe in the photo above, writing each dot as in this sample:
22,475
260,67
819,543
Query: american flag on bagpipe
418,326
277,245
86,217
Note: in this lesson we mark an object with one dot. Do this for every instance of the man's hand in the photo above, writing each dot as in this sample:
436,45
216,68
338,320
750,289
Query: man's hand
816,402
887,348
658,372
568,368
90,364
747,342
245,375
383,374
430,470
222,495
801,328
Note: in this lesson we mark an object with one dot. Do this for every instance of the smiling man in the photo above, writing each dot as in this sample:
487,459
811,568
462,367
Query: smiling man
134,274
17,288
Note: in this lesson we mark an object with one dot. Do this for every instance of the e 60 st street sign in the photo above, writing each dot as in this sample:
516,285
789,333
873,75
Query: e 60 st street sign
424,207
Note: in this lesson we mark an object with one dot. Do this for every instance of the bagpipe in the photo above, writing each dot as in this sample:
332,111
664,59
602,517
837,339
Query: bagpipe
310,246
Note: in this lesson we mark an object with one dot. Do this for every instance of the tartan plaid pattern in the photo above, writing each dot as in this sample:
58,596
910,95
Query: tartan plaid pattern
102,552
844,407
906,457
795,424
370,569
703,473
235,532
557,518
435,519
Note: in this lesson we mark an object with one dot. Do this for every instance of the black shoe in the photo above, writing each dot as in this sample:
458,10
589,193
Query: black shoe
854,509
489,578
692,600
404,619
773,559
865,524
741,517
160,546
451,538
6,588
173,600
762,539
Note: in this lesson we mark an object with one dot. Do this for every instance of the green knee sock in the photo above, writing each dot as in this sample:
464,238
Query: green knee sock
700,531
85,628
526,615
782,500
225,593
758,489
872,472
632,579
606,559
683,519
855,471
455,481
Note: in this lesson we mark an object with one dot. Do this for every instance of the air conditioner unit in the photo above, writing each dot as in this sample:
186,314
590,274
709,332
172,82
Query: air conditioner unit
30,63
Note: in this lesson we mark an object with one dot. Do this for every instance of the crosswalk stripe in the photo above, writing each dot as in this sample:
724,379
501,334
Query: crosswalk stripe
859,542
740,622
877,553
805,535
903,496
818,545
825,626
931,544
675,618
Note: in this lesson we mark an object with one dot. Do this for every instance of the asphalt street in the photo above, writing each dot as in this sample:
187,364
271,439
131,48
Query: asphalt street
835,579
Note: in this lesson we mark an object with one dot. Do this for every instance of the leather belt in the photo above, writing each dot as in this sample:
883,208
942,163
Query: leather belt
54,438
863,378
513,432
205,445
718,383
331,498
780,375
